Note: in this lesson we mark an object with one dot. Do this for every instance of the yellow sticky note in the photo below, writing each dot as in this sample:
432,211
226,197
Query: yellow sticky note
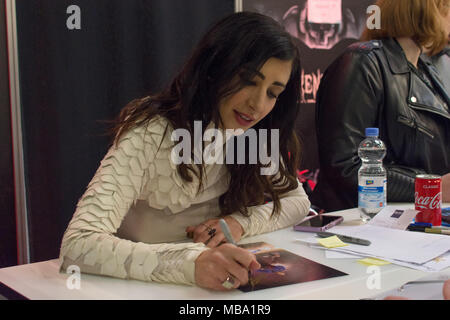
373,262
332,242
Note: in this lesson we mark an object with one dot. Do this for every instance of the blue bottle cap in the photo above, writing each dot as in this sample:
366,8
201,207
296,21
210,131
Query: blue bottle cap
372,132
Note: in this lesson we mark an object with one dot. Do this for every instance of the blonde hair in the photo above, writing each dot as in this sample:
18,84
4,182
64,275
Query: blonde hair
416,19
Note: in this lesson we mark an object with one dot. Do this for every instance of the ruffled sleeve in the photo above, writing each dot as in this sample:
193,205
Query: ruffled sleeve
90,242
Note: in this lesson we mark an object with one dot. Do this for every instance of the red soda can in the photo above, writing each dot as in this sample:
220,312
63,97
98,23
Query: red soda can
428,199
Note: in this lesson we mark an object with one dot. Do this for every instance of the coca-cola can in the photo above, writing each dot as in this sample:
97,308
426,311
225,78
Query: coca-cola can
428,199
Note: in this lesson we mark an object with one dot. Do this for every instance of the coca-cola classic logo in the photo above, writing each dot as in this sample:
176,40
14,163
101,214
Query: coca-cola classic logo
428,202
430,187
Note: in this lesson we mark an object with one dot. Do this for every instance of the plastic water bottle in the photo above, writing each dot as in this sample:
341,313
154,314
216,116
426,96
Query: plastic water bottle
371,176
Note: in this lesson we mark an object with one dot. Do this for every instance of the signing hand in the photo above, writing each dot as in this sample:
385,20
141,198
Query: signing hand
210,233
226,262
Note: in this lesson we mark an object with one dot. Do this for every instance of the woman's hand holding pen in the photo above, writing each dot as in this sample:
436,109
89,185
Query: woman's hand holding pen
211,234
225,267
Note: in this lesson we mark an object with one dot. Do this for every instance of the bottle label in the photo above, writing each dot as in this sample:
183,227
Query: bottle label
372,192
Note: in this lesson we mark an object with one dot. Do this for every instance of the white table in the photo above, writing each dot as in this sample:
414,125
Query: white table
43,281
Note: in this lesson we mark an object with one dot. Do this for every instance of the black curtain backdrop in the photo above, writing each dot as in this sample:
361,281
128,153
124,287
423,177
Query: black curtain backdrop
72,79
8,252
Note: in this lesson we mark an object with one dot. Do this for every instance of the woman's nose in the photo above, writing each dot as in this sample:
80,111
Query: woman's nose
256,101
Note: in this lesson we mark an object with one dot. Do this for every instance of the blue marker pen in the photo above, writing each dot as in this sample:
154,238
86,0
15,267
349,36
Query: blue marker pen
421,224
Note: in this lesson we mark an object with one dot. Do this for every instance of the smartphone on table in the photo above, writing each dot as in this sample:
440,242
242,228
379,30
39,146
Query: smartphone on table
318,223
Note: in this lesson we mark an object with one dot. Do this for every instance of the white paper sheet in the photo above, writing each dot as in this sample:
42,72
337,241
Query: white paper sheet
331,254
407,246
435,265
394,218
404,246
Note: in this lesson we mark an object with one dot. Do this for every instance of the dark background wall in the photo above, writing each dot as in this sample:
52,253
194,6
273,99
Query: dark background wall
8,253
71,80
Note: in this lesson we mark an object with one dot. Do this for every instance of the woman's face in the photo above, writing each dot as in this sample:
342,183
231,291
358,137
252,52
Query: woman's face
248,106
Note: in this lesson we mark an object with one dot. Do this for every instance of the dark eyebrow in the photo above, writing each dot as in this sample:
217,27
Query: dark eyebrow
276,83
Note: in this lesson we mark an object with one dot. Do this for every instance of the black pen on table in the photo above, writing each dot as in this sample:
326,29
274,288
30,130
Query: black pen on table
343,238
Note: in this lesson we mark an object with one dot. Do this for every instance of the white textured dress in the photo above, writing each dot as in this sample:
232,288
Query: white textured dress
130,223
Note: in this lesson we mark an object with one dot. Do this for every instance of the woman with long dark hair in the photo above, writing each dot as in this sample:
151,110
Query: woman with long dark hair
149,196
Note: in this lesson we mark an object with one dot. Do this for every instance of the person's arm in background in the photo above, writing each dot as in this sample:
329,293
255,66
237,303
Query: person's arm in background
349,100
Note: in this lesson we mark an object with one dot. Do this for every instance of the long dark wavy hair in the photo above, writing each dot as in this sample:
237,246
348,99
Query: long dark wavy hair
237,44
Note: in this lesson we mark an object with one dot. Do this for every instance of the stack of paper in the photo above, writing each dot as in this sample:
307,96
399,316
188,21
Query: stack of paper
390,242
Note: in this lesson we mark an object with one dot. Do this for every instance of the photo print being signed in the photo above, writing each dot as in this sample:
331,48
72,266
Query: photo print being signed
280,267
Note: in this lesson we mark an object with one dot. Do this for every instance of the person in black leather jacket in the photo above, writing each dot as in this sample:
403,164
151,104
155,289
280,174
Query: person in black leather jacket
387,82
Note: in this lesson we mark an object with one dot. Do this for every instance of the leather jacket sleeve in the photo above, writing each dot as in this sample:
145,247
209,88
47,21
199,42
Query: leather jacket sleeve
350,99
401,182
